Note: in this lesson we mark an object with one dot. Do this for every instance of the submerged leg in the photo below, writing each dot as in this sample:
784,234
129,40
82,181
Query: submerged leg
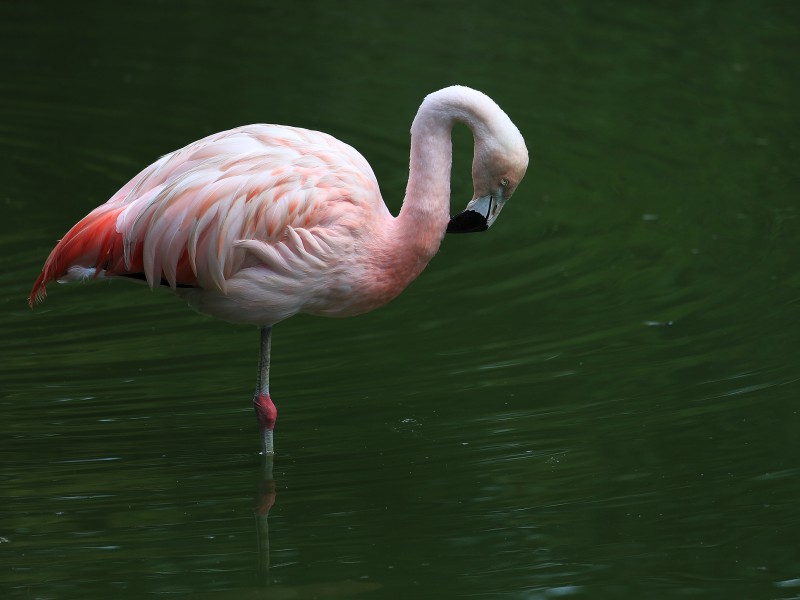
266,413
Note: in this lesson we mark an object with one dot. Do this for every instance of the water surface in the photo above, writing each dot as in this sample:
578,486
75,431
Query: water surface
595,399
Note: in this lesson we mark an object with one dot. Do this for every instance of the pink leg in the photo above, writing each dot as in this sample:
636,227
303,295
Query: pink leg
266,413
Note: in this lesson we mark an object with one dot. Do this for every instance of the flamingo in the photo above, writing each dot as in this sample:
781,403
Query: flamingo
262,222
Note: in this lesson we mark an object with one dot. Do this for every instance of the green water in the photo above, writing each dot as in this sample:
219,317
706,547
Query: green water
595,399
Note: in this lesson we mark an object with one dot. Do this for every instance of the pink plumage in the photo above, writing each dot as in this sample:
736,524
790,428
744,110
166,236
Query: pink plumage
259,223
270,201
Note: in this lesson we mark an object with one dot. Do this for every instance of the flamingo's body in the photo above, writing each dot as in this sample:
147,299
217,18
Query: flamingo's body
259,223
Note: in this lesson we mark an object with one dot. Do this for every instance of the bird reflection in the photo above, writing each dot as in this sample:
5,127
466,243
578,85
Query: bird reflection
266,590
265,498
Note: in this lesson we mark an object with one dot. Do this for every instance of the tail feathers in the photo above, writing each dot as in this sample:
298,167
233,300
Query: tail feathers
89,249
38,292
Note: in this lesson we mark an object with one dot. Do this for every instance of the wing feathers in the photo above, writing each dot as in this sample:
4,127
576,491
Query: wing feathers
254,195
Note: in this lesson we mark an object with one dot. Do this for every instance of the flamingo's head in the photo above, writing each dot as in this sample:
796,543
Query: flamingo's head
499,164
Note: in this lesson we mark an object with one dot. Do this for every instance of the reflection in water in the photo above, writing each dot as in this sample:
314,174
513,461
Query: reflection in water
265,498
266,588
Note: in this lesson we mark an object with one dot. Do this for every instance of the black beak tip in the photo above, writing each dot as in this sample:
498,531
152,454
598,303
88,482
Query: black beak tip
468,221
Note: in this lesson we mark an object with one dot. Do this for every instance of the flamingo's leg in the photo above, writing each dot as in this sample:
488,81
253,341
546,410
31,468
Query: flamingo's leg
266,413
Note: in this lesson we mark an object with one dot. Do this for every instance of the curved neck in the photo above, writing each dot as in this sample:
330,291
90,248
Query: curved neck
426,207
408,242
401,247
423,218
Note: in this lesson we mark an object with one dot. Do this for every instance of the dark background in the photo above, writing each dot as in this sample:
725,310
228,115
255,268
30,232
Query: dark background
597,398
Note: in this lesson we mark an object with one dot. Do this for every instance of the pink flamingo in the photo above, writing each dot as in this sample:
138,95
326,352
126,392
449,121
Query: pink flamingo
262,222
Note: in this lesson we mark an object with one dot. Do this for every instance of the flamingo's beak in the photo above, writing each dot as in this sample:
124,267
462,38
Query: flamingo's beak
479,214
